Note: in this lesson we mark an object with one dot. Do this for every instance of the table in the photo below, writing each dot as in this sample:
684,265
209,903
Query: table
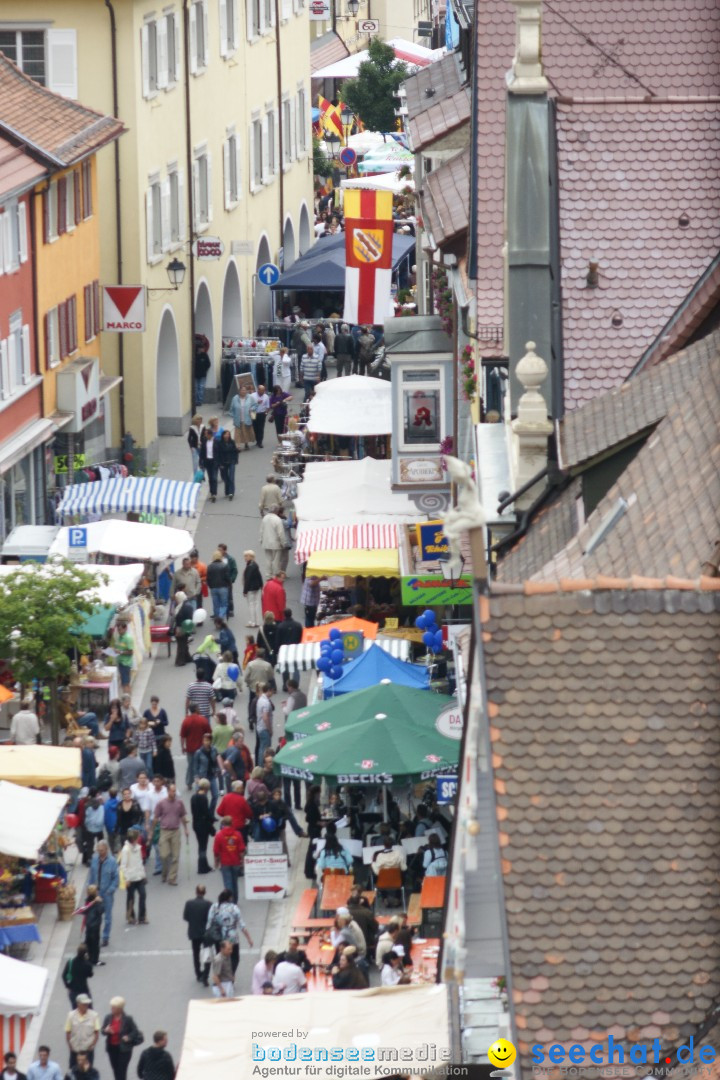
19,916
15,935
336,891
425,967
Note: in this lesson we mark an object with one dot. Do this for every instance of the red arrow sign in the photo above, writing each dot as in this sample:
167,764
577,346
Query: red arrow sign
123,297
268,888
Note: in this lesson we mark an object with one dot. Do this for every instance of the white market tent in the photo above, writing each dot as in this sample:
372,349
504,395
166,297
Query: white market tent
220,1035
408,52
353,405
41,766
22,986
346,491
141,494
389,181
121,580
305,655
129,540
27,817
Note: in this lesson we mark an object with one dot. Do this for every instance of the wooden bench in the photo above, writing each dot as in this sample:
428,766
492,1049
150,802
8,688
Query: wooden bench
414,910
304,910
309,926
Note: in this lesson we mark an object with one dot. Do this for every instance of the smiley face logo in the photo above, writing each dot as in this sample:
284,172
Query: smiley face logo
502,1053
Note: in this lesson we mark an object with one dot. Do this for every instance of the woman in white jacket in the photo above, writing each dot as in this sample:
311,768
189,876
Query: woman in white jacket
132,868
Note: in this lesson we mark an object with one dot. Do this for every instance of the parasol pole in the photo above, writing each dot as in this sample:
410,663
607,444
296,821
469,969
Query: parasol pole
384,800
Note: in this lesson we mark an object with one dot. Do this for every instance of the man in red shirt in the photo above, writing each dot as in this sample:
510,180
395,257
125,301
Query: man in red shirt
273,596
235,806
192,729
228,849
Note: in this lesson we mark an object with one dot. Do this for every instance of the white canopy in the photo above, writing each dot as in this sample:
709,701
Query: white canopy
130,540
390,181
121,579
220,1035
353,405
342,491
407,52
27,817
21,986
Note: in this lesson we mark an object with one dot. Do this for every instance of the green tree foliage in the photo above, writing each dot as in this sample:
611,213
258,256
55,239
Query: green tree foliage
371,96
321,162
40,607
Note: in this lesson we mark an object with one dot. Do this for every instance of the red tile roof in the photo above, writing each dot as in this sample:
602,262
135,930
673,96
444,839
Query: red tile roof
614,47
327,50
18,171
440,120
52,127
445,199
627,175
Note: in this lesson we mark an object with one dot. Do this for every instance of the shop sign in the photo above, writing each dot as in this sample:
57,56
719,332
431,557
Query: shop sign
320,10
434,589
124,309
147,518
206,248
421,471
78,392
445,789
450,722
353,642
432,541
65,463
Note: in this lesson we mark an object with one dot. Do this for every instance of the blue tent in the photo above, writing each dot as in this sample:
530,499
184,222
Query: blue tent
322,268
371,668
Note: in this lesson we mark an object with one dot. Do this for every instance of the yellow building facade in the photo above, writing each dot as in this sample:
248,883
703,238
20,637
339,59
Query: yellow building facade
215,99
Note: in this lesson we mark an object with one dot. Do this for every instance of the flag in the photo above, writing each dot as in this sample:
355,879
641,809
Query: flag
368,255
330,117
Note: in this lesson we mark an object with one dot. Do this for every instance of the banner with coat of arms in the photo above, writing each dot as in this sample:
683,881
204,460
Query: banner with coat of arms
368,256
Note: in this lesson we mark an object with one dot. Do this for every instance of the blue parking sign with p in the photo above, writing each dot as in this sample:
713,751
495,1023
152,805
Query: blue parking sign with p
77,537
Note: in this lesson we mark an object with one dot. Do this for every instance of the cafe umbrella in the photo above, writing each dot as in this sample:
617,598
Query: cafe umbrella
410,712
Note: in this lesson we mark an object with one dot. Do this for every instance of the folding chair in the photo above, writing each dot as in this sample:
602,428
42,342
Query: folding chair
390,878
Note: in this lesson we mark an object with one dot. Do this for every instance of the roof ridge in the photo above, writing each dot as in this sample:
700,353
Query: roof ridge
76,106
605,583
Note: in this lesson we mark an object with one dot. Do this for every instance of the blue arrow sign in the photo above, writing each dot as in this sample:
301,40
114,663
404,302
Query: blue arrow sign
268,274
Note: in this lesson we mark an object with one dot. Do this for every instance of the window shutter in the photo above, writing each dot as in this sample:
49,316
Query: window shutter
11,361
48,341
176,39
262,27
276,140
2,242
195,194
223,27
71,323
149,225
249,18
227,147
22,230
87,311
77,196
26,368
193,38
145,58
165,215
251,158
206,40
162,53
181,204
4,370
272,12
264,165
61,206
62,62
62,331
208,158
96,306
238,167
286,8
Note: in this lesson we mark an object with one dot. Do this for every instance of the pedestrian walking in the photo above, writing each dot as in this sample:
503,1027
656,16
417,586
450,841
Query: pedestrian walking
132,867
267,637
125,649
366,346
25,726
10,1071
259,408
223,974
203,823
146,746
252,588
83,1069
195,914
170,814
92,911
264,719
285,370
241,411
344,350
44,1068
155,1062
129,815
208,457
122,1035
229,850
104,874
272,540
199,697
279,409
227,461
193,440
188,581
310,371
225,923
164,764
82,1029
233,572
201,366
270,495
274,598
76,973
93,824
193,728
310,598
218,580
205,767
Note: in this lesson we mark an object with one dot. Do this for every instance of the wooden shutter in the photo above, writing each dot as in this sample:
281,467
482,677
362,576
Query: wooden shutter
62,331
87,311
208,160
46,215
78,196
47,336
96,306
26,357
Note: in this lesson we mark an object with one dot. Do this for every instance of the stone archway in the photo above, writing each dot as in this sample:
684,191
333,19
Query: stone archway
289,253
204,325
305,232
262,296
168,394
232,324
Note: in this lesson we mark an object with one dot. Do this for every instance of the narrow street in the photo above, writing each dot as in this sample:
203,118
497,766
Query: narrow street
151,966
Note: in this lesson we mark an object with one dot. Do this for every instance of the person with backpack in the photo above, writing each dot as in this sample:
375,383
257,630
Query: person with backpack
76,973
435,861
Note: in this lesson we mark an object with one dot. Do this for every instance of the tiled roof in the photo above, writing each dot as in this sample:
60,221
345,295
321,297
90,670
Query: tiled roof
18,171
640,403
550,531
604,706
672,493
327,49
52,127
697,306
440,119
445,77
627,175
445,199
671,48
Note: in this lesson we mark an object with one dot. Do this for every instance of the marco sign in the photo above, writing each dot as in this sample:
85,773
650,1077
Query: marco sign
124,309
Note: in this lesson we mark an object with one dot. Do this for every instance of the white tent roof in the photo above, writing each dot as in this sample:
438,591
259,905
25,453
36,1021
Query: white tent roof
22,986
353,405
27,817
351,491
121,579
220,1035
407,52
383,182
131,540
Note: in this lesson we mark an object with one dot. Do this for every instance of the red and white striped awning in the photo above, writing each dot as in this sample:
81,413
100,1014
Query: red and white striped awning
344,538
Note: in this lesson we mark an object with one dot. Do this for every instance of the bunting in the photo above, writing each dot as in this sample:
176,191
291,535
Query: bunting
368,255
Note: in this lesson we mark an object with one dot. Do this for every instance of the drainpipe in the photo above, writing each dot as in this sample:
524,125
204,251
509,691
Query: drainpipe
281,173
189,167
34,286
118,208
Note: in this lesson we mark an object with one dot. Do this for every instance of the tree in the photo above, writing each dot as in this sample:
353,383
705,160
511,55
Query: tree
371,96
41,608
321,164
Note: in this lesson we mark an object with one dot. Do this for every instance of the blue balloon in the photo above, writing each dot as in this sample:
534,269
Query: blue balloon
438,641
233,672
323,664
325,648
336,672
335,634
420,622
428,639
337,656
268,823
429,616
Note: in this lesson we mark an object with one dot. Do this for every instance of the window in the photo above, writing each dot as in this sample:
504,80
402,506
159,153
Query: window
202,189
15,358
228,26
231,170
421,408
286,10
153,220
71,324
256,155
52,338
272,131
87,204
268,14
70,202
152,56
13,236
50,212
27,49
301,117
254,19
176,189
287,134
198,37
160,54
91,308
172,41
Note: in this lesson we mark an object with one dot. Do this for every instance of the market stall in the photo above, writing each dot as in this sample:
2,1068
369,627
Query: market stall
41,766
411,709
132,494
351,491
22,987
27,817
368,629
304,657
373,667
353,405
136,541
355,562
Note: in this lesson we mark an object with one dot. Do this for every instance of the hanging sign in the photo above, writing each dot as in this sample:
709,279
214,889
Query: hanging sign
124,309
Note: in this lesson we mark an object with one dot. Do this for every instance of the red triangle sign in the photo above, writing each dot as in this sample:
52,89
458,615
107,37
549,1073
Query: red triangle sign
86,373
123,297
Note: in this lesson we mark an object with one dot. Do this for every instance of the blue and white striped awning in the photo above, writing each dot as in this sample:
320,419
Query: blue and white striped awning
141,494
304,657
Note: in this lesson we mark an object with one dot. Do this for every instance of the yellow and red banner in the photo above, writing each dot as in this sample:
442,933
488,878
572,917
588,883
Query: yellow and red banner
368,255
330,117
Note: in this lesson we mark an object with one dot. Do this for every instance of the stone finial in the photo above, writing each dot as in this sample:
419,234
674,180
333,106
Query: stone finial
527,70
531,371
532,428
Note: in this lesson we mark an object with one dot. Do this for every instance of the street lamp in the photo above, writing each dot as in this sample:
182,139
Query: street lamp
353,7
346,116
176,272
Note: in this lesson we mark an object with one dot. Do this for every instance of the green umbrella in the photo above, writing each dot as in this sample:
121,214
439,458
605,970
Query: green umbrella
380,748
96,625
403,704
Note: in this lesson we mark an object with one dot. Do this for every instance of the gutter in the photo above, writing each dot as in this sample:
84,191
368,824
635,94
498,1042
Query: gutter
189,168
281,167
118,208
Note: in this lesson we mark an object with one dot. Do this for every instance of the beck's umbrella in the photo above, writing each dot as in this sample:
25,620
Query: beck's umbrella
407,708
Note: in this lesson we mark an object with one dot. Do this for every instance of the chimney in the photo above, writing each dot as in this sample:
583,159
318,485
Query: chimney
531,429
527,76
